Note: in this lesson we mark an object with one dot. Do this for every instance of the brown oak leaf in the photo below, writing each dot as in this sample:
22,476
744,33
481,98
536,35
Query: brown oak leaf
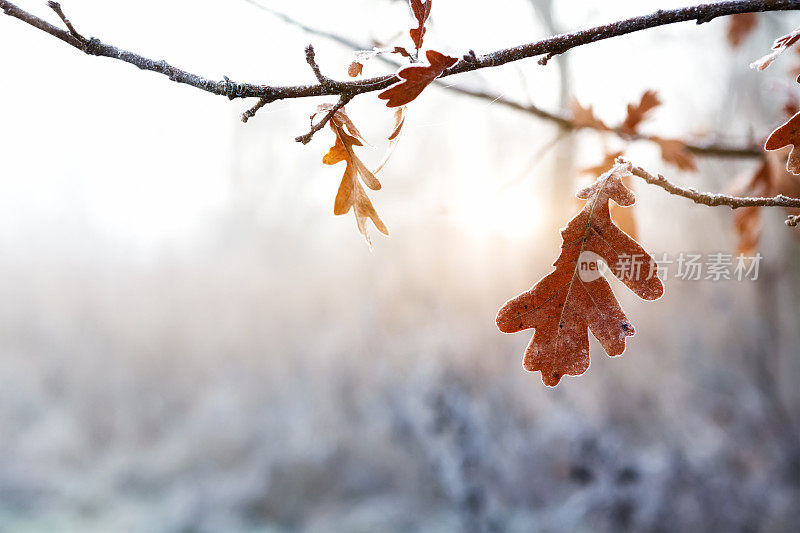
564,305
780,45
675,152
740,27
351,194
415,78
421,10
638,112
787,134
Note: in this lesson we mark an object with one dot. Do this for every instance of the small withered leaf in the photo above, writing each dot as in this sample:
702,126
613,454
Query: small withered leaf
637,113
421,10
564,305
740,26
355,69
676,153
415,78
788,134
780,45
351,194
584,117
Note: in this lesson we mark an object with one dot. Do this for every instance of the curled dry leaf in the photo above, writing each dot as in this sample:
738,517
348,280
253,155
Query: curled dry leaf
575,297
740,27
584,117
780,45
638,112
675,152
351,194
421,10
787,134
415,78
394,137
355,68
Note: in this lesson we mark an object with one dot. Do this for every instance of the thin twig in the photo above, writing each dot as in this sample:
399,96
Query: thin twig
55,6
250,113
711,199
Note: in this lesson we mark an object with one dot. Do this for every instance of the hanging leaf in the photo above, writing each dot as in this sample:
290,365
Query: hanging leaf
415,78
421,10
638,112
787,134
351,194
565,304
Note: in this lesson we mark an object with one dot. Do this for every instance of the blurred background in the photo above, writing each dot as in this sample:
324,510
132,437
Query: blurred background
190,341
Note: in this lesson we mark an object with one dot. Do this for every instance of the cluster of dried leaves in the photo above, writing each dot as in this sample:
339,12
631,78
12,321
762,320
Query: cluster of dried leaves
565,305
351,194
413,80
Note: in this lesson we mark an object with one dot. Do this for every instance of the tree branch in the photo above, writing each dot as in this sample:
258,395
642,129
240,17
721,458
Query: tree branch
549,47
714,200
561,119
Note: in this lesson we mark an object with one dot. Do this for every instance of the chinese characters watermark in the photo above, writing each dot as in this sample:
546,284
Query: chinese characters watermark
717,266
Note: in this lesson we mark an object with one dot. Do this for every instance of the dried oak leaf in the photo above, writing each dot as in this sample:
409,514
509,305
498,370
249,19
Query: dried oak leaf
415,78
564,305
584,117
623,217
675,152
351,194
638,112
421,10
780,45
787,134
740,27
